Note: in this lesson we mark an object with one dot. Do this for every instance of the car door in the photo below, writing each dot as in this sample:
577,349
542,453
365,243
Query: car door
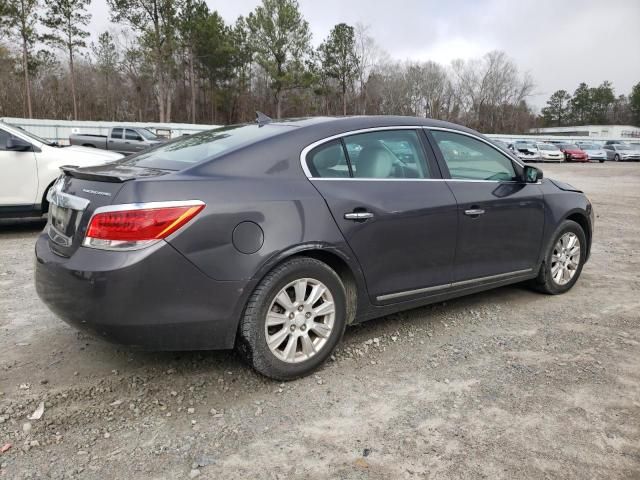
133,141
18,174
500,217
115,140
396,213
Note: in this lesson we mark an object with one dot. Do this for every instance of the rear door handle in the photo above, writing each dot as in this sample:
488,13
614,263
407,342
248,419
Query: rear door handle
474,212
357,216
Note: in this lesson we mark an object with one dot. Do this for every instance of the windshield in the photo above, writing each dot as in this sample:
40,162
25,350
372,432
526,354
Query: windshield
524,145
32,136
622,147
148,134
547,147
589,146
569,146
187,151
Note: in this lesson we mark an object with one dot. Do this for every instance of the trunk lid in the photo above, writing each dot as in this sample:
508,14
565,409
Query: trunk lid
77,194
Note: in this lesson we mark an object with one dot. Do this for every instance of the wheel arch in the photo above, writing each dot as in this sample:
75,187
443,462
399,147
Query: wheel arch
581,219
44,203
342,263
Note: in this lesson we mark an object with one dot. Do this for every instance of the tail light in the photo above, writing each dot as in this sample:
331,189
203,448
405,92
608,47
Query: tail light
135,226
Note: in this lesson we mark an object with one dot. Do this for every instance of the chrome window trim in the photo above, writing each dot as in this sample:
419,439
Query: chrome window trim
461,283
444,129
341,179
308,148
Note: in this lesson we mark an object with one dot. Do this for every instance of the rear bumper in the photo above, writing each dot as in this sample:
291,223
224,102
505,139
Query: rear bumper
153,298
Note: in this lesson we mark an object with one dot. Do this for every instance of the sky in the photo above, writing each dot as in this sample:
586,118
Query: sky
560,43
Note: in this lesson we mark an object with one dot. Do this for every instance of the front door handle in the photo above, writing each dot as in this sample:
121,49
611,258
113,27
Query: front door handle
474,212
358,216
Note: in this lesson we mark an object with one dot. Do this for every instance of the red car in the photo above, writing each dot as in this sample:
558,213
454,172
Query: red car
573,153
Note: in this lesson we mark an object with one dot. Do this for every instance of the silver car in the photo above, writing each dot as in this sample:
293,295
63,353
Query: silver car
525,151
594,151
620,152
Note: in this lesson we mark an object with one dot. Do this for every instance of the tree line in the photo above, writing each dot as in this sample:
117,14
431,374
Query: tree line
592,106
178,60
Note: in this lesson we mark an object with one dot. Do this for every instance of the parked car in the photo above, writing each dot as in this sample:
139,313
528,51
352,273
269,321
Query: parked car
593,151
29,165
549,152
573,153
526,151
619,152
274,237
125,140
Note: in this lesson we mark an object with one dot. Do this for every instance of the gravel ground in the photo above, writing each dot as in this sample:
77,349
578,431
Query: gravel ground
504,384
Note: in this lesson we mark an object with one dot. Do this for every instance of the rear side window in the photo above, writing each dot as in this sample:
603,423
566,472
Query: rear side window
389,154
4,138
116,133
471,159
328,161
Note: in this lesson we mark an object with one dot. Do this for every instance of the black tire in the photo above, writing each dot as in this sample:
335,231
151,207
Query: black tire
544,282
252,342
88,145
616,157
601,161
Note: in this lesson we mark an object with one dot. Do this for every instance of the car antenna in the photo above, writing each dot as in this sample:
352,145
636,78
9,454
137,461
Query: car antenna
262,119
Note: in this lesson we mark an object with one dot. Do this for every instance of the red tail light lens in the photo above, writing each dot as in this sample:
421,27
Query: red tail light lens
128,227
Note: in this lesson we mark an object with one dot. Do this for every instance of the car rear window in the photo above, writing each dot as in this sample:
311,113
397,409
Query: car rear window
192,149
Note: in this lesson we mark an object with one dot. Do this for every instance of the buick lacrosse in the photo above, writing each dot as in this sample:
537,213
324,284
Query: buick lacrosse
273,237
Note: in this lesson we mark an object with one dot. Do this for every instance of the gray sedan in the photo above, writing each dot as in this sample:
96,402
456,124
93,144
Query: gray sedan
274,237
620,152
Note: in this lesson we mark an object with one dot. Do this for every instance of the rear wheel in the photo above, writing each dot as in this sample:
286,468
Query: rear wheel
564,260
294,319
601,161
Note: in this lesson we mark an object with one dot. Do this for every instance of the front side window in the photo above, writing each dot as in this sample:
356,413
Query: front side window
132,135
470,159
393,154
328,161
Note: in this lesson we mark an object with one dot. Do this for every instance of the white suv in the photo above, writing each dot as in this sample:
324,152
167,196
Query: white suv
29,165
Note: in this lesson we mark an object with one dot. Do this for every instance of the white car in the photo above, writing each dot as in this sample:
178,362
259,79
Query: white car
29,165
550,152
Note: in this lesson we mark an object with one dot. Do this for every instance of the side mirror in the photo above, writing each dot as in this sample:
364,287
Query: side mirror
532,174
16,144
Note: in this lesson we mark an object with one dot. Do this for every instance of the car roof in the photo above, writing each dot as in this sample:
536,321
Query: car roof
367,121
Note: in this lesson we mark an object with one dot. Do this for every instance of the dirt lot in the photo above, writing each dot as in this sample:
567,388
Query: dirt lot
506,384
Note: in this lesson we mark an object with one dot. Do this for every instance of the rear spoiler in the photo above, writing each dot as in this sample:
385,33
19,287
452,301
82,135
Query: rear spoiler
111,174
86,174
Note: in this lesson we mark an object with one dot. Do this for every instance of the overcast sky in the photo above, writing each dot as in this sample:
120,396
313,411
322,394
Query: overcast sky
561,42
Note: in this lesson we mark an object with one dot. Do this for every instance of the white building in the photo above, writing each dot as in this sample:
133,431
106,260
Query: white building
600,132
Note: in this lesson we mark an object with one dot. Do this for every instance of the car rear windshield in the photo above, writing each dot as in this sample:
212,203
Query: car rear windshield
189,150
547,147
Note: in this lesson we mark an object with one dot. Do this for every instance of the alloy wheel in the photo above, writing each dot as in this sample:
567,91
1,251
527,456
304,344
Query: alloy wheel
565,259
300,320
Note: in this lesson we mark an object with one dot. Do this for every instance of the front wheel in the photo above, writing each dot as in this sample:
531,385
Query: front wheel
617,158
564,260
601,161
294,319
